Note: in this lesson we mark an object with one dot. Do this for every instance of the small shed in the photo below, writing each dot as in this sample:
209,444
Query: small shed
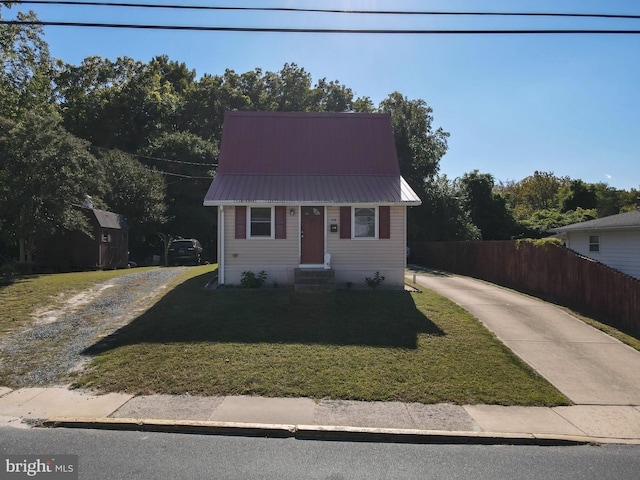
106,248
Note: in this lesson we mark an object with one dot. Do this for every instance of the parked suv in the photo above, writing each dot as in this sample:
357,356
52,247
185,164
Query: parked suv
185,250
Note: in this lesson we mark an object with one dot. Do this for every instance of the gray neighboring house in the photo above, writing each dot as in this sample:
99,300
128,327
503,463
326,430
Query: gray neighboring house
613,240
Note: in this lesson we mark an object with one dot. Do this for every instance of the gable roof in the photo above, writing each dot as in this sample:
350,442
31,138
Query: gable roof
627,220
287,157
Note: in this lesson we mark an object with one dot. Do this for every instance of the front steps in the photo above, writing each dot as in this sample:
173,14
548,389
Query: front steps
314,280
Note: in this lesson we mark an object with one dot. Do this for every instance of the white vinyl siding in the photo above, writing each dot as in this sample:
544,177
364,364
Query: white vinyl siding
353,260
277,257
618,249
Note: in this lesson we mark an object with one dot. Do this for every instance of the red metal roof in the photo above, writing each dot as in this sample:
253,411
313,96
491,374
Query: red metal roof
310,189
308,157
277,143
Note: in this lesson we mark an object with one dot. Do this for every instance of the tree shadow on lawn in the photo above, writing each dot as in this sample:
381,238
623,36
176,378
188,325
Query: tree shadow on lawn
190,314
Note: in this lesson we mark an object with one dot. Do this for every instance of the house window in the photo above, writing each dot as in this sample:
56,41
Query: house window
594,243
364,223
260,222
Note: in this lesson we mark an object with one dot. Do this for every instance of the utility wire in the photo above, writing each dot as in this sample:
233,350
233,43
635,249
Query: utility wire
180,175
156,158
322,30
191,177
322,10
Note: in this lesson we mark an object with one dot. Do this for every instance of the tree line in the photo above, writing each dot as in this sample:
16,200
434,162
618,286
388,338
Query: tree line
142,139
476,207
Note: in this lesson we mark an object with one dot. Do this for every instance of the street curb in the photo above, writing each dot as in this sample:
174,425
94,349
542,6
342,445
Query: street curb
316,432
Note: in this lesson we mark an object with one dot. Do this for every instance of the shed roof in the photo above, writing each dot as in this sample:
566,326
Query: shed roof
627,220
308,158
110,220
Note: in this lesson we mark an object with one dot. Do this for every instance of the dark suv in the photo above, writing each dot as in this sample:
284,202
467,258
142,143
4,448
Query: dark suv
185,250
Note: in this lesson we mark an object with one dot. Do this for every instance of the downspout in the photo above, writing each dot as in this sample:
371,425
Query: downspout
221,245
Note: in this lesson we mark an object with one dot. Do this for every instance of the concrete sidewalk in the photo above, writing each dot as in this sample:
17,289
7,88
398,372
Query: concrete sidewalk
392,421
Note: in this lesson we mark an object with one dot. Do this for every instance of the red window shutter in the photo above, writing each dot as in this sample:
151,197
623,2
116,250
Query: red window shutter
345,222
384,222
281,222
241,222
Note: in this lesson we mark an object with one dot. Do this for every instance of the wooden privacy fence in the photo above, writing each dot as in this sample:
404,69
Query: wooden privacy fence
548,270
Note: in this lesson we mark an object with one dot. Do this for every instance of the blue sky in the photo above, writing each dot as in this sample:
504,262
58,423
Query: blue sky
569,104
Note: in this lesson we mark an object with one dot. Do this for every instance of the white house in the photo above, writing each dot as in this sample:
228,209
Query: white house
300,192
612,240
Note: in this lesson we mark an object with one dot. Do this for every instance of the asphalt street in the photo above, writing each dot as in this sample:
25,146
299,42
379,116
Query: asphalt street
147,456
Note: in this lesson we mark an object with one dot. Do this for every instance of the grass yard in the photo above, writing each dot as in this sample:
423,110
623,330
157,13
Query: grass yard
361,345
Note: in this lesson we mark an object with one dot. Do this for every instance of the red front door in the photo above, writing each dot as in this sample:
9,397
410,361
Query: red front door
312,235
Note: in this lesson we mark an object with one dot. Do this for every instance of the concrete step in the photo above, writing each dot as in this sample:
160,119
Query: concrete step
319,280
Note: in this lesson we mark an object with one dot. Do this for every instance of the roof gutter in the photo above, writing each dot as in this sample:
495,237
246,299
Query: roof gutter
215,203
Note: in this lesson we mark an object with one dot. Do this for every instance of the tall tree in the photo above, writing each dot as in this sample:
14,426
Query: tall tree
44,172
487,209
26,74
419,147
442,215
120,104
577,194
536,192
188,164
137,192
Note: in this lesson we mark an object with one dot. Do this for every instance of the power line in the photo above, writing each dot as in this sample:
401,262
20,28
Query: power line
323,30
200,164
191,177
180,175
323,10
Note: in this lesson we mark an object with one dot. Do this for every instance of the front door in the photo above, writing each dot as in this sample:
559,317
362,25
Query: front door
312,235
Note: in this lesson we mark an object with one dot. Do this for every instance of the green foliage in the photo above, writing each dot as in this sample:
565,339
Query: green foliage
418,146
374,282
44,172
487,210
536,192
541,242
26,73
577,194
134,191
442,216
251,280
543,201
542,221
119,104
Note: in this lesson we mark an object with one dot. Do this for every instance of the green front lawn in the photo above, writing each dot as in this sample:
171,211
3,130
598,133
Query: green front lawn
361,345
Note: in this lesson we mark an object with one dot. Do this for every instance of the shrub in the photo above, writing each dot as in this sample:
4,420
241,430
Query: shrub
374,282
251,280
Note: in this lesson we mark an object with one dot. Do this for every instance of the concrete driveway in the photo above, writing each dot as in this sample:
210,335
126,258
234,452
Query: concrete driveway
588,366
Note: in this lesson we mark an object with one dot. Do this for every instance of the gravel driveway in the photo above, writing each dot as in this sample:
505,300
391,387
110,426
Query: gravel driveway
44,353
